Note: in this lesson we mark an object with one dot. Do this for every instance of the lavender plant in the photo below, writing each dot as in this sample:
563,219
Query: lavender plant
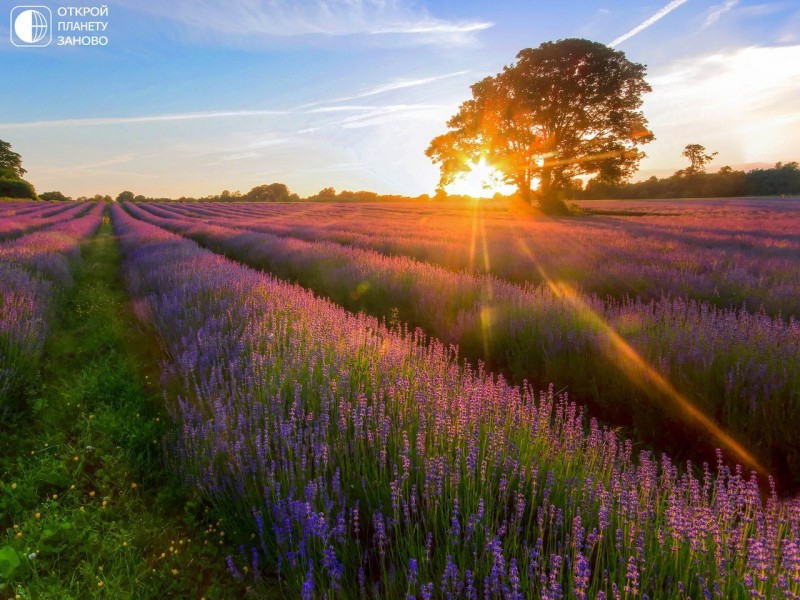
34,268
739,368
355,461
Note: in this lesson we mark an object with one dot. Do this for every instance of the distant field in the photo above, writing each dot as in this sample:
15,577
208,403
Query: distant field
387,400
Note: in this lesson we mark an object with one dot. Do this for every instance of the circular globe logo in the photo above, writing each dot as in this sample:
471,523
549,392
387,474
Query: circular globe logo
31,26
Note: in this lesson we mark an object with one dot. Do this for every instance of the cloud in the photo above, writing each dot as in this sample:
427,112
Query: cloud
717,11
314,108
382,115
403,84
392,86
246,20
742,102
240,156
645,24
95,121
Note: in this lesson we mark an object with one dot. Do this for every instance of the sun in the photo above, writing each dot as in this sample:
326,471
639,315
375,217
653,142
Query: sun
482,180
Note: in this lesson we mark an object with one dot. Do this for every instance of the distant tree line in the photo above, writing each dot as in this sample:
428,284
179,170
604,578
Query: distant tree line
329,194
278,192
695,182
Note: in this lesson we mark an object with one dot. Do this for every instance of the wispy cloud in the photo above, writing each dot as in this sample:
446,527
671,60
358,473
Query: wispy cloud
321,107
94,121
239,156
246,20
435,27
645,24
392,86
381,115
717,11
403,84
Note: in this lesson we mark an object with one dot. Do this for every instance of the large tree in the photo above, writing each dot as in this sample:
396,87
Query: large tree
10,162
564,109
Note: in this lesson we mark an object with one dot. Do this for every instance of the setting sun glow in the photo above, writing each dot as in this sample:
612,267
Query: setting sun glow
481,181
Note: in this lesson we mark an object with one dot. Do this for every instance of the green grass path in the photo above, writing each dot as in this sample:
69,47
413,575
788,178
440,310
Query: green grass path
87,509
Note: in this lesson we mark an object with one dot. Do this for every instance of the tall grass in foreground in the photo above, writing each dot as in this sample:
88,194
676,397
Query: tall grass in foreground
33,269
738,368
355,461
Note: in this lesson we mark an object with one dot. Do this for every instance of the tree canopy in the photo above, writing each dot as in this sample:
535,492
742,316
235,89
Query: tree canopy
698,158
55,196
273,192
10,162
564,109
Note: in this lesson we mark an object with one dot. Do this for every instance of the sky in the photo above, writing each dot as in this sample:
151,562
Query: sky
191,97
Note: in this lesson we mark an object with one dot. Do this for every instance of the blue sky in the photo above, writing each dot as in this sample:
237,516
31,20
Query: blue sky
191,97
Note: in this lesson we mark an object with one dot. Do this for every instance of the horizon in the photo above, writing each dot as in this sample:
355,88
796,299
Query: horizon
190,99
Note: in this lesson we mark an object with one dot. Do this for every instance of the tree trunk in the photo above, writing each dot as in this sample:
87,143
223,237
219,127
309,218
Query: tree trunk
549,200
524,192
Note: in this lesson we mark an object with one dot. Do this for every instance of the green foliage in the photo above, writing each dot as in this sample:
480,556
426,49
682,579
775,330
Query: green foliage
10,163
698,159
9,563
274,192
783,179
88,509
126,196
55,197
17,188
563,109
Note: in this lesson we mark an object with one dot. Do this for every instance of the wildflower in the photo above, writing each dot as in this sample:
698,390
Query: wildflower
32,555
13,486
99,584
174,571
38,515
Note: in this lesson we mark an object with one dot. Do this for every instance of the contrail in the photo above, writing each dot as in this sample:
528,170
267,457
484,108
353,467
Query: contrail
656,17
90,121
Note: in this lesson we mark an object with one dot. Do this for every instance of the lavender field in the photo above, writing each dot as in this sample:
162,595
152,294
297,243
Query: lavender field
404,401
34,268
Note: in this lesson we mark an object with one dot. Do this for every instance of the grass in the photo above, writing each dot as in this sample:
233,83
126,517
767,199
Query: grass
87,507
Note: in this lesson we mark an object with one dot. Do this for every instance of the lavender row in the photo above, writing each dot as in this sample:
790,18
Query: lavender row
740,369
354,461
20,218
730,254
34,269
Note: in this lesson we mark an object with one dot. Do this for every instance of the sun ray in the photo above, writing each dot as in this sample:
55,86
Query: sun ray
639,371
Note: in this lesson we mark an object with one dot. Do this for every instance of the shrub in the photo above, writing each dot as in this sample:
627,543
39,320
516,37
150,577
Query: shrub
17,188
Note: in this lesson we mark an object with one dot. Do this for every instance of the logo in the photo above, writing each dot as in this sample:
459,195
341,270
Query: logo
31,26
